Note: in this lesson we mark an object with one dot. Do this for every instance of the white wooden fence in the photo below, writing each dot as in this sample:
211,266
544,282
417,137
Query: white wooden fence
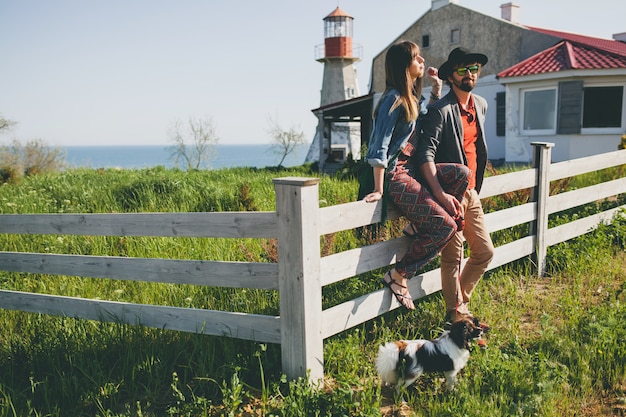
301,271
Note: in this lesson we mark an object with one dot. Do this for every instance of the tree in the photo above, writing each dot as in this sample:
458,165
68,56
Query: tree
194,142
5,124
284,142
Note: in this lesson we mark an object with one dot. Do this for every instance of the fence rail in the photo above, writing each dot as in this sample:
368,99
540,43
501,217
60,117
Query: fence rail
301,271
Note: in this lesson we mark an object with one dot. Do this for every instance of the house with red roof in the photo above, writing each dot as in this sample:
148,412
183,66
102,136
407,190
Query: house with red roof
541,85
571,94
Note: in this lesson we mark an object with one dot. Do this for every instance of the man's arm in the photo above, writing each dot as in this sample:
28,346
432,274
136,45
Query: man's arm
427,146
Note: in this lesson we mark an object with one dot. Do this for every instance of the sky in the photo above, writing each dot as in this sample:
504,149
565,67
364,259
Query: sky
122,72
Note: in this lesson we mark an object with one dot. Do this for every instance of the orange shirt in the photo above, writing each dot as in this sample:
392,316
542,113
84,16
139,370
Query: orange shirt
470,135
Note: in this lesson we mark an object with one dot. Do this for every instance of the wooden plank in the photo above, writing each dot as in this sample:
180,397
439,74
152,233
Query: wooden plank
587,164
513,251
586,195
506,183
238,325
507,218
369,306
500,184
209,273
579,227
353,215
346,264
222,224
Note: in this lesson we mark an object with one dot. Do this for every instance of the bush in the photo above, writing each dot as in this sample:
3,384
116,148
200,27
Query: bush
34,157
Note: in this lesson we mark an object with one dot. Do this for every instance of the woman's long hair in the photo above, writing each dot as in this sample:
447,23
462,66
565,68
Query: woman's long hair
397,61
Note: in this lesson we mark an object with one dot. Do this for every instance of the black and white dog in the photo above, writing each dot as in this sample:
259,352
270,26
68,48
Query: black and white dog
403,361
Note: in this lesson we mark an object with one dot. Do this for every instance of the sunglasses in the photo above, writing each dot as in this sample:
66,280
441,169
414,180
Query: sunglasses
463,70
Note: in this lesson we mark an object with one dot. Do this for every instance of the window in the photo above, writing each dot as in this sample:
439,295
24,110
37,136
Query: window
573,108
455,36
602,106
539,111
426,41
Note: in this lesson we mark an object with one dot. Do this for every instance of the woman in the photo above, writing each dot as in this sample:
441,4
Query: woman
395,120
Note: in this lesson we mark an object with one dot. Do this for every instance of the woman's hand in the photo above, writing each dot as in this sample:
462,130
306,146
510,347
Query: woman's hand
373,197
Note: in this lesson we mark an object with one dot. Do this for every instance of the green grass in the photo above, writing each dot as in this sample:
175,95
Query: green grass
556,349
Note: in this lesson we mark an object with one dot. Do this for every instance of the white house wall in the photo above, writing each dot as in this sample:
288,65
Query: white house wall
518,147
487,88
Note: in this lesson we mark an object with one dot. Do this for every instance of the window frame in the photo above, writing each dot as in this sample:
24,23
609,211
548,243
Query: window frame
454,31
605,130
538,132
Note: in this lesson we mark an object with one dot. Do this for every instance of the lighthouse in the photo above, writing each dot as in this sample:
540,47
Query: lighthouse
334,140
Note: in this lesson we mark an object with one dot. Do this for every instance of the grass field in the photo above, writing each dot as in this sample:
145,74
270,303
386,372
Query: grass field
556,349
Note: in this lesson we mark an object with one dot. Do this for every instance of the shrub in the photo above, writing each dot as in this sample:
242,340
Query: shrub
33,157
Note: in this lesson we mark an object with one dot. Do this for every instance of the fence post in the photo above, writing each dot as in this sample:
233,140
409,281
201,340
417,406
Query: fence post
300,288
541,161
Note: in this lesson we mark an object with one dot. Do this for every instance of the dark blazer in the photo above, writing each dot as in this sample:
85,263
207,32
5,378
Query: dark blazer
441,135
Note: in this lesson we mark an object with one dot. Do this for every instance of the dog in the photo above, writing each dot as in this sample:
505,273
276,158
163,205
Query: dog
403,361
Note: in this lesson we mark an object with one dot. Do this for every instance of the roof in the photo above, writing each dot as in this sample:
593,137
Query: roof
348,109
608,45
338,12
571,53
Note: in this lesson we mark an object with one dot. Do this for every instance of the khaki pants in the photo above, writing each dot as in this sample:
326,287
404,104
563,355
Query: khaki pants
458,290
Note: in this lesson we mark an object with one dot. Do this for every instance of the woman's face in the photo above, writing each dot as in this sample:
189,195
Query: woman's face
416,67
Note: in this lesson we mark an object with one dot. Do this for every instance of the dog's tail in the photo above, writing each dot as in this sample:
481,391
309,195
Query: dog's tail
387,361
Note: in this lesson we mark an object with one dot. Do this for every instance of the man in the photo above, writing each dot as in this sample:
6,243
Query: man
453,130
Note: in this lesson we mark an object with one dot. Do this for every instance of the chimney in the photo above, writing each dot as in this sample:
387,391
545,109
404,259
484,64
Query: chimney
437,4
510,12
620,37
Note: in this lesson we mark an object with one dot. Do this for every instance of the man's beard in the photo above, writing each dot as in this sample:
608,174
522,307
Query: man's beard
466,86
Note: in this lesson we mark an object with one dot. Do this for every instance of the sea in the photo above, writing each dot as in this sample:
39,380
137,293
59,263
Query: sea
148,156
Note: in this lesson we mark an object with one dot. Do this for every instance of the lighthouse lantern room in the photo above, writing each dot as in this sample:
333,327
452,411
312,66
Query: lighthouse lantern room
338,34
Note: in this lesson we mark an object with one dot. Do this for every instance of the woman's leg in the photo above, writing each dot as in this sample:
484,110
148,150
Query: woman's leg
434,225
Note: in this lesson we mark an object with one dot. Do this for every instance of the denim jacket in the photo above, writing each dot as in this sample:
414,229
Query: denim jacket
390,130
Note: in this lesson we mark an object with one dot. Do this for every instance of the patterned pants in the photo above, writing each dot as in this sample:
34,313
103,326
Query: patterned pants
434,225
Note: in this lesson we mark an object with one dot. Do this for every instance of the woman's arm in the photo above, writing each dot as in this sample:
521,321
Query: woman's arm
379,180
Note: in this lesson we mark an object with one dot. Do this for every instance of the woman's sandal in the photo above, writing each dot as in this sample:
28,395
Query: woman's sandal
410,231
403,298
